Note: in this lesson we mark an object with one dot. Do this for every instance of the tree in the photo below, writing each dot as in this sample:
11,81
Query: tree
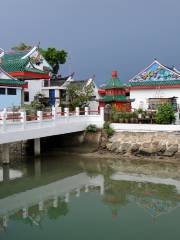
54,57
165,114
21,47
79,95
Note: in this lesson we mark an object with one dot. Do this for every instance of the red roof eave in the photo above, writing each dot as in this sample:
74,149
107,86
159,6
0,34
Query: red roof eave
30,75
155,87
15,85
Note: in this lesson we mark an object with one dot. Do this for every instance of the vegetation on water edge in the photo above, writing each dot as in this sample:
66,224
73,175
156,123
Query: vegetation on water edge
91,128
108,129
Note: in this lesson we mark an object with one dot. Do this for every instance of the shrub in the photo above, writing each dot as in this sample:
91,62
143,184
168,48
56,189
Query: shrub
165,114
91,128
109,130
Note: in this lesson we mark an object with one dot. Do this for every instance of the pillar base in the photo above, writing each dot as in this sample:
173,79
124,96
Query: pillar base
5,153
37,147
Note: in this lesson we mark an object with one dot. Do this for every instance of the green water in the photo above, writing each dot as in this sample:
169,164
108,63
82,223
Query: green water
71,197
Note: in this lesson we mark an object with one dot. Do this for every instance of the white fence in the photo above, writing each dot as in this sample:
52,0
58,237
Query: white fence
120,127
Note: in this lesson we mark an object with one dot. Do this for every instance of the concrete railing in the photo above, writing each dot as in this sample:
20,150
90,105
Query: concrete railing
119,127
20,117
56,122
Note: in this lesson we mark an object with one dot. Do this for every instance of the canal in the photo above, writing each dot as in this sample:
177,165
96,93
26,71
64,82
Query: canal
70,196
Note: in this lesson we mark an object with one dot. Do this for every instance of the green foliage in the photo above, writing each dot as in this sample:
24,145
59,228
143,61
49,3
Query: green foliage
54,57
108,129
79,95
21,47
91,128
61,210
38,104
165,114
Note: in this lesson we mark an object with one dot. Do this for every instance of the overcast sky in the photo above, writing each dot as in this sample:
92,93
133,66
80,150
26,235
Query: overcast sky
99,35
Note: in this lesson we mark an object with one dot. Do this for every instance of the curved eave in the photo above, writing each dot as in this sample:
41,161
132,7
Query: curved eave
25,85
155,87
29,75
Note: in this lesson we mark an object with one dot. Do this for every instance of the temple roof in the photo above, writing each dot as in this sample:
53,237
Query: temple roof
157,72
19,65
8,80
12,82
20,68
155,83
14,55
114,82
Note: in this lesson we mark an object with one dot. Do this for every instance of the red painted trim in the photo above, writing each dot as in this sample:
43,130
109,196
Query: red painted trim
30,75
155,87
15,85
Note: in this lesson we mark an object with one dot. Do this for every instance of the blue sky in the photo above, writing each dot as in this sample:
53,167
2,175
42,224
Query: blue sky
99,35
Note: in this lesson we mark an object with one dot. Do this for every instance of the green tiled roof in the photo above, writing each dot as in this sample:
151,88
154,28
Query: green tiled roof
155,83
19,65
114,83
11,82
114,98
14,55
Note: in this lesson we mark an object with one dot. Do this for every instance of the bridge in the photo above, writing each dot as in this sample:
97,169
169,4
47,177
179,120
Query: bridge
20,127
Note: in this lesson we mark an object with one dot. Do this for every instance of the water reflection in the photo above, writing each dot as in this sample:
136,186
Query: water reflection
50,191
6,173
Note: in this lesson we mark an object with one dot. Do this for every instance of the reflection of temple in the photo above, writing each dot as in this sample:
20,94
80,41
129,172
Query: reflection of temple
147,192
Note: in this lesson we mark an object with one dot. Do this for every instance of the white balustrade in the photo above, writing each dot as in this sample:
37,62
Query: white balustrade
77,111
54,113
86,111
57,125
23,117
39,116
66,112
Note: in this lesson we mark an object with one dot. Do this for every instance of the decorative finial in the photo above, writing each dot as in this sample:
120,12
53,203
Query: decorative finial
114,74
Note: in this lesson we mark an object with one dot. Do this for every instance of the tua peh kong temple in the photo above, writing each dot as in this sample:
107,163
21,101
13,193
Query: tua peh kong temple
116,94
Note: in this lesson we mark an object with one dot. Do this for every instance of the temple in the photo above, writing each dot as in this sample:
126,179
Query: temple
116,94
155,85
28,65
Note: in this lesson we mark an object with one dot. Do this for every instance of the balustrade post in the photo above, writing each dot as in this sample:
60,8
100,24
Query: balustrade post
59,111
25,213
3,117
86,111
23,117
54,112
77,111
102,112
66,112
39,116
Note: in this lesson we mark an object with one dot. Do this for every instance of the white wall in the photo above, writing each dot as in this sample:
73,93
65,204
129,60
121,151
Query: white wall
142,95
10,100
34,87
